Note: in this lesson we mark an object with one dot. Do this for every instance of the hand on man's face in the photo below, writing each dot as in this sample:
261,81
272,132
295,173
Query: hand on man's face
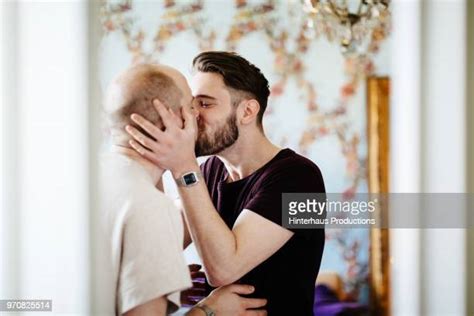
173,148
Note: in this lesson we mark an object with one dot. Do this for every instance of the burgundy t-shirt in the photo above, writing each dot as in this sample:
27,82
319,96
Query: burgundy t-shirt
287,278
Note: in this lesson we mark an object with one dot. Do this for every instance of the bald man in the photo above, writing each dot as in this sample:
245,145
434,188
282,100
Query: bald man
142,229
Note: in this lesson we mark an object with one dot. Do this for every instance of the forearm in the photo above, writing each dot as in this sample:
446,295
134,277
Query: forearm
195,312
215,242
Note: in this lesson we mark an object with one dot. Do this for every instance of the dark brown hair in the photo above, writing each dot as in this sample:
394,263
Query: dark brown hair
238,74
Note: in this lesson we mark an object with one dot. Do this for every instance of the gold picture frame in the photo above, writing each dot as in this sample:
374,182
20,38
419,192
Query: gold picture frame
378,97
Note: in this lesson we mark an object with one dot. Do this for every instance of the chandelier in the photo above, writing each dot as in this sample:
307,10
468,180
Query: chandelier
358,25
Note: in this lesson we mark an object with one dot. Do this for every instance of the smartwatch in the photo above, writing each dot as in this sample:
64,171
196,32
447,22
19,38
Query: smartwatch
189,179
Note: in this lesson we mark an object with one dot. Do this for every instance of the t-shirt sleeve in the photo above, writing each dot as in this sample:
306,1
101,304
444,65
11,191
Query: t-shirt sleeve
299,177
152,263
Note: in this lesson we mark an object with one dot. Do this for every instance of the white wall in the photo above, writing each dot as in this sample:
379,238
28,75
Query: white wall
8,153
444,148
405,152
470,159
45,154
429,152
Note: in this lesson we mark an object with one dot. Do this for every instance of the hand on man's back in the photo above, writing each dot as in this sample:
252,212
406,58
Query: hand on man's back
227,301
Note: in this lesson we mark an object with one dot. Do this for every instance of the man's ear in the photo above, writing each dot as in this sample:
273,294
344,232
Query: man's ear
249,111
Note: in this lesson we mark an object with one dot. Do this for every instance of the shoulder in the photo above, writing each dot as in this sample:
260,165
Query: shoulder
289,162
292,170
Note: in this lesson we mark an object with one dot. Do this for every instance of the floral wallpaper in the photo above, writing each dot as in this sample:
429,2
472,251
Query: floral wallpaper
317,102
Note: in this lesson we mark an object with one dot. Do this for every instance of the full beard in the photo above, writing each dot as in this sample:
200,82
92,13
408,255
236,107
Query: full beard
224,137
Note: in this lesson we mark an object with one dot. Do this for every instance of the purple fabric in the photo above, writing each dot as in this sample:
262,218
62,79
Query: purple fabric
326,303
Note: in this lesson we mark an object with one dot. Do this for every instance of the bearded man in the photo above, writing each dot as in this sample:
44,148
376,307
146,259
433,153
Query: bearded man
232,202
139,251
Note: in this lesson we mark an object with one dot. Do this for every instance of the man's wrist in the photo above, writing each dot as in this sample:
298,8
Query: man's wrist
185,168
205,309
196,312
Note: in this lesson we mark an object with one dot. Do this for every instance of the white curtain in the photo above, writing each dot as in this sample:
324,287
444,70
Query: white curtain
428,154
44,237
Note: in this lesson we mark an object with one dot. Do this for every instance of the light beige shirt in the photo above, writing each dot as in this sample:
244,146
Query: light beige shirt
143,237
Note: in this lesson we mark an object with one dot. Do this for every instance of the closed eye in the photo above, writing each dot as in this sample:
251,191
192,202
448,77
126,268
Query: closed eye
204,104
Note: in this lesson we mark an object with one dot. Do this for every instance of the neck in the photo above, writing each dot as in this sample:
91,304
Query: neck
154,171
248,154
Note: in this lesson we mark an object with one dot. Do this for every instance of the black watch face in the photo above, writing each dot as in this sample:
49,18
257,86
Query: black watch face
189,178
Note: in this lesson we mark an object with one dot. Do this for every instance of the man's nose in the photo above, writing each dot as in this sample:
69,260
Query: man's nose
195,112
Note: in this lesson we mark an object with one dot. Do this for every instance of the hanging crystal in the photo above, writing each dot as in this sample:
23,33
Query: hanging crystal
354,23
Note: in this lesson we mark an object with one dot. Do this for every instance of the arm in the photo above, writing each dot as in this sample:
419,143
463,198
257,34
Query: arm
228,254
196,312
226,301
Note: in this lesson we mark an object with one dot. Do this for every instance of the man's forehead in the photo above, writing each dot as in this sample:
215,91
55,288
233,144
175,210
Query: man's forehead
208,78
207,83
